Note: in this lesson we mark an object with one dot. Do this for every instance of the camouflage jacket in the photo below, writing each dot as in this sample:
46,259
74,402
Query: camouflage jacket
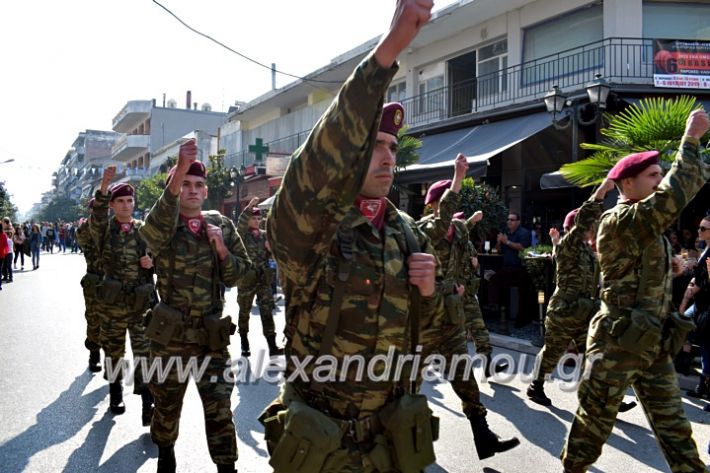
255,246
197,271
577,271
631,232
120,252
88,247
312,211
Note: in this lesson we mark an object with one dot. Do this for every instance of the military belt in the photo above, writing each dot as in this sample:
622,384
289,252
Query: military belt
618,300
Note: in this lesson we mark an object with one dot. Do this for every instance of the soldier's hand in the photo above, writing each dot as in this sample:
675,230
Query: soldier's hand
106,179
187,155
408,19
554,236
697,124
253,201
606,186
214,235
421,268
460,166
146,262
474,262
460,288
477,216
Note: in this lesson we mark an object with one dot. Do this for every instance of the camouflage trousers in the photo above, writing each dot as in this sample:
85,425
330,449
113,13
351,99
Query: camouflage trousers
115,321
265,301
560,329
462,380
655,383
93,323
214,389
477,327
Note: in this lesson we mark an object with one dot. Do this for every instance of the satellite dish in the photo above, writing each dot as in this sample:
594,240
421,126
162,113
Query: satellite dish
206,107
172,103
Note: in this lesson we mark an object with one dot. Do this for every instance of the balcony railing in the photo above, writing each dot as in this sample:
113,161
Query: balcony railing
286,145
619,60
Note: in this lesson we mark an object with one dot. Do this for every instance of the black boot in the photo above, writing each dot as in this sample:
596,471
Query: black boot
245,345
116,404
701,390
489,369
627,406
166,459
273,349
95,361
147,411
487,443
226,468
536,393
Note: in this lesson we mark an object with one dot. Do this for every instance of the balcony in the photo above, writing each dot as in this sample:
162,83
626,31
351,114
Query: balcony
129,147
133,175
133,114
627,61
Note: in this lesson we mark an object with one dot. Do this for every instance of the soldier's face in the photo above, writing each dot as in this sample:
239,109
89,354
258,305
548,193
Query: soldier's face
192,193
381,172
122,208
254,222
644,184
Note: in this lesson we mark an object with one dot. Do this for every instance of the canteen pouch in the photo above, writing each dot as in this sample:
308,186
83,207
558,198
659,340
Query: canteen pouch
380,455
163,324
641,333
218,331
585,308
143,294
453,303
675,333
90,283
308,437
411,430
110,290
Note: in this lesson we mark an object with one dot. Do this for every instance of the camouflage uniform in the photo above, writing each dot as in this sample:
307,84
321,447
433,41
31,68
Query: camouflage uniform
475,325
630,236
258,280
576,276
312,219
120,254
193,289
93,267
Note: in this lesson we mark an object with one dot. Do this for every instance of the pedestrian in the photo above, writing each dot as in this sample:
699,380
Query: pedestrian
19,245
258,281
635,335
62,235
90,286
358,277
9,231
576,295
4,250
50,236
197,253
35,245
126,290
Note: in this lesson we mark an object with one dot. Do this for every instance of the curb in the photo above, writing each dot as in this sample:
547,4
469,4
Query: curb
686,382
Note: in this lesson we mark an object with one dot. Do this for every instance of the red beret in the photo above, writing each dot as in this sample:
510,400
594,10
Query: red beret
436,190
90,203
569,219
632,165
122,190
255,212
196,169
392,118
460,215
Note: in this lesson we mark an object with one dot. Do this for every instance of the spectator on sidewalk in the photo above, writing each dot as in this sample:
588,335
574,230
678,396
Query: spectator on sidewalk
9,232
4,248
35,240
19,240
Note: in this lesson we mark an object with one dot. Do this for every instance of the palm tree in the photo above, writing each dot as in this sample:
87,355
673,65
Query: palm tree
652,124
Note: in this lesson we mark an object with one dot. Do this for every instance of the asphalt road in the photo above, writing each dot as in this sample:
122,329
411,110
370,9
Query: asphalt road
54,413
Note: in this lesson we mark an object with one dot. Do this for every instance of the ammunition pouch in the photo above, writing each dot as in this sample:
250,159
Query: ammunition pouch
163,323
110,290
675,333
585,308
90,283
411,429
302,438
143,295
637,332
453,303
218,331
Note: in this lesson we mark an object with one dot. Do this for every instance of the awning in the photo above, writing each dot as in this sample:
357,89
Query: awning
554,180
478,144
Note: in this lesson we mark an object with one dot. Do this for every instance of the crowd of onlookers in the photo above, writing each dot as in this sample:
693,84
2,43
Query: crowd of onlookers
29,239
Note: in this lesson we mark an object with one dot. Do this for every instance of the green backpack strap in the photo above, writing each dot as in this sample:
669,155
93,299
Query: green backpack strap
414,295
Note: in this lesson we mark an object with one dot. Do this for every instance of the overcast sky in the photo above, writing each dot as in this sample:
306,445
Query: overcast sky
72,65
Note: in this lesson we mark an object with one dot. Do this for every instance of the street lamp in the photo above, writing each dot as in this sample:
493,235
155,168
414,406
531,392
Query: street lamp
558,104
237,176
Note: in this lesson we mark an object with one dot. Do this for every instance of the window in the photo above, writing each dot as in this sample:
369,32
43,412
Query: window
566,33
676,20
431,95
397,92
492,59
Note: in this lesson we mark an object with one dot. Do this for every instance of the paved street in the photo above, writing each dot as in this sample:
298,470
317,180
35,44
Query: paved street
54,413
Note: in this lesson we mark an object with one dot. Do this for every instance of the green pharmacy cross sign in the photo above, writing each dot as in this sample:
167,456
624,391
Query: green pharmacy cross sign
259,150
